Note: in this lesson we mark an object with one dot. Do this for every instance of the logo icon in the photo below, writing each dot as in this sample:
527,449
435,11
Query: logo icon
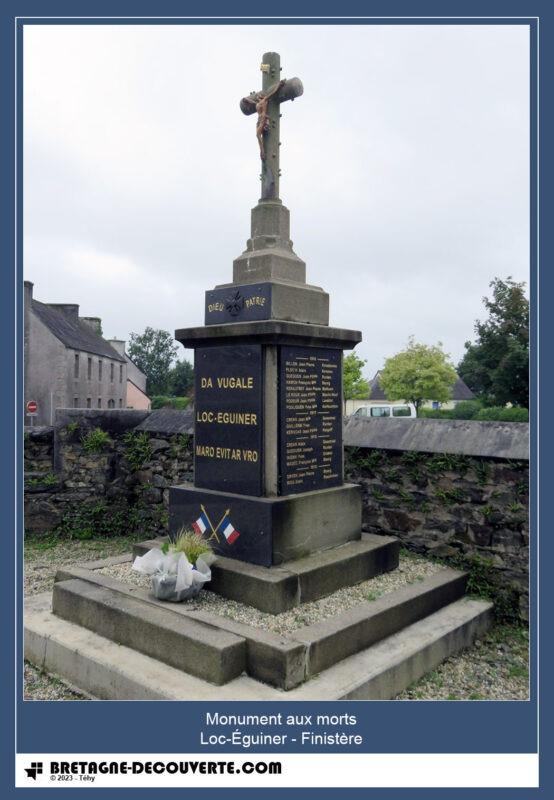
235,304
34,770
203,522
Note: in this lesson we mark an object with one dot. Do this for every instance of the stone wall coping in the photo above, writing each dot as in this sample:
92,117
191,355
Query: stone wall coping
509,440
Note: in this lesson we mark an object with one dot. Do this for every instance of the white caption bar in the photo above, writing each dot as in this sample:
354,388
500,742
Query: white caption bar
485,770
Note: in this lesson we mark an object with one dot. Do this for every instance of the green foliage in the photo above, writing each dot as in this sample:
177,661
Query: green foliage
138,449
162,401
72,427
466,409
482,471
98,520
484,581
354,386
417,374
503,414
95,441
448,462
496,365
190,544
154,352
181,379
449,497
48,479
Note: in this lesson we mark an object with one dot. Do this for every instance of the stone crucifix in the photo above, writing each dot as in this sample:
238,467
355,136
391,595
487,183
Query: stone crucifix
266,104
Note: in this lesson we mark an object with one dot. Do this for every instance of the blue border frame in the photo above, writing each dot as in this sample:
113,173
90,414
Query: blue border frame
389,727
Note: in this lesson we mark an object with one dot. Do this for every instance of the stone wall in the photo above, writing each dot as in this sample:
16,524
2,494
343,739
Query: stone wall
469,508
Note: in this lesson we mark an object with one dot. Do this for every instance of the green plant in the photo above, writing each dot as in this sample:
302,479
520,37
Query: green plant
515,508
482,471
378,495
487,511
371,596
189,543
164,401
449,496
48,479
521,489
485,582
448,462
467,409
99,520
95,440
72,427
502,414
138,449
518,671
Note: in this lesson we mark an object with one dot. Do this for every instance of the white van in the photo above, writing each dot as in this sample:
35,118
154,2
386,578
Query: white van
406,411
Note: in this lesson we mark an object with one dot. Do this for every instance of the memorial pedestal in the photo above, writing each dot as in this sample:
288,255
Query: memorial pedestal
268,442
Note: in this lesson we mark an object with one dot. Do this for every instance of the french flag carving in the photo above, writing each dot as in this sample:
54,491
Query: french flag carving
201,524
229,532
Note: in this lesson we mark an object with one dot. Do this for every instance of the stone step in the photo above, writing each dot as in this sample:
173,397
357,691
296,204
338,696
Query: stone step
270,657
286,661
210,653
336,638
105,670
278,589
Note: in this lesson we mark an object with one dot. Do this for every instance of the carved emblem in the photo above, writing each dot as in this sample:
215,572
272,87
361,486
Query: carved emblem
235,304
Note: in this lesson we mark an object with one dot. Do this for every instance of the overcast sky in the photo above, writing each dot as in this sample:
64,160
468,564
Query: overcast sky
405,168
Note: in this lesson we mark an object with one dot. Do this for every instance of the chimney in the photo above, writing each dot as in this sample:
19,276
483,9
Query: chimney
119,345
93,322
28,291
69,309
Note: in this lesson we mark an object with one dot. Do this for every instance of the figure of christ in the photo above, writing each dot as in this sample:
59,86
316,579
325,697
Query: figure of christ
262,125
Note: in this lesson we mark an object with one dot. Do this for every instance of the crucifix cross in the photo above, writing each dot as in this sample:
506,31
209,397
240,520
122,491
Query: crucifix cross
266,104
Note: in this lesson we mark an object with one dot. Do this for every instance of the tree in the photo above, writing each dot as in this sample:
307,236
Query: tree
354,386
153,352
496,365
181,379
417,374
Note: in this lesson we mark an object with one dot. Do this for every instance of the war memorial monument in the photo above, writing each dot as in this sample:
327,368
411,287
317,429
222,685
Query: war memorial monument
269,494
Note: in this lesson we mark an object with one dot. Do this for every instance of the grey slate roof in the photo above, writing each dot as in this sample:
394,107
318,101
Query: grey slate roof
73,333
460,390
168,421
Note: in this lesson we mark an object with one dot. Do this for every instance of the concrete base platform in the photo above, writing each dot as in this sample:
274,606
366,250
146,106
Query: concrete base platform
106,670
273,530
303,580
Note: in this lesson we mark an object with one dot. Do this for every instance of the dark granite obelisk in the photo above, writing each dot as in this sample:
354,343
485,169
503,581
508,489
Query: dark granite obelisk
268,448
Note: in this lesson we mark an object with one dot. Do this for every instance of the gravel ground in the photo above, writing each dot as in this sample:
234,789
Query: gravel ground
410,570
496,668
43,558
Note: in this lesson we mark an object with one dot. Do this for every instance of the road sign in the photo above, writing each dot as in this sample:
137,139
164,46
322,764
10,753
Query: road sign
32,407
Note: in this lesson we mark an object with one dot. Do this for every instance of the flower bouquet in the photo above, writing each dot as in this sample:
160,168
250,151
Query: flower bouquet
179,569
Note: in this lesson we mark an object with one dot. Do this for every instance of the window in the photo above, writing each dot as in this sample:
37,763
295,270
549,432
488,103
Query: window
111,371
76,365
89,368
121,373
380,411
75,402
120,403
111,403
89,402
99,402
436,405
100,369
401,411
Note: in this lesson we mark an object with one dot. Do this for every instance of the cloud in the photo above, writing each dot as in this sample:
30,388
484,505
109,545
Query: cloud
405,166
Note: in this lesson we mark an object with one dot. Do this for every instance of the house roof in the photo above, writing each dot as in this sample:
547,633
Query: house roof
74,333
460,390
